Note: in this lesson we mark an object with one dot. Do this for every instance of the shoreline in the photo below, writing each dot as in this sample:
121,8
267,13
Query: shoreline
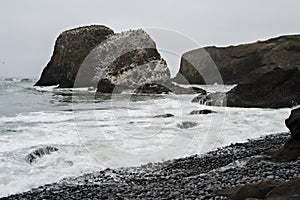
190,177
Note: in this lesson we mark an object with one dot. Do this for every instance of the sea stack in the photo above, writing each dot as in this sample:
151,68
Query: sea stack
71,48
238,64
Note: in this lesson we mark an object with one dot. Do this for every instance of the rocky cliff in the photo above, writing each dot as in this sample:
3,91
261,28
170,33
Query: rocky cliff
278,88
128,59
84,56
241,63
71,48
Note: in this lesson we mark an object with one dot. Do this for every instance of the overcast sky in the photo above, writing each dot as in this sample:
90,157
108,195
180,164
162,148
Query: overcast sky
29,27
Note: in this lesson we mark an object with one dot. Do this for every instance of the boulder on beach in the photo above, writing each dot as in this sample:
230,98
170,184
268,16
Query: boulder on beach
237,64
71,48
291,149
278,88
268,190
293,123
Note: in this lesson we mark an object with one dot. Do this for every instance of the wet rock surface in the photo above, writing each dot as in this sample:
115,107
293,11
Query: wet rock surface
71,48
293,123
152,88
265,190
276,89
238,64
38,153
164,115
202,112
194,177
291,150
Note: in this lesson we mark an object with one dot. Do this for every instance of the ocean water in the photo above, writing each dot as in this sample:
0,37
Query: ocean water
96,133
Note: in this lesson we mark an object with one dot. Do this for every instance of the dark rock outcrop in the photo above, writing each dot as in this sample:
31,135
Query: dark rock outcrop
255,191
212,99
293,123
185,90
151,88
71,48
164,115
268,190
291,150
106,86
202,112
238,64
94,56
275,89
40,152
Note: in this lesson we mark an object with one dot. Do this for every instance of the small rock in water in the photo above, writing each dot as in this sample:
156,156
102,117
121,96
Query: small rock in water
164,115
202,112
186,125
30,158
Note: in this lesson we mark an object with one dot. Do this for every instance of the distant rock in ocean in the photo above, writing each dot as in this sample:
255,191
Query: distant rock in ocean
128,59
278,88
239,64
86,55
71,48
95,56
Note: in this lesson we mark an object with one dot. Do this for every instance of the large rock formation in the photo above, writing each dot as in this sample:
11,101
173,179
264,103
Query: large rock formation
70,50
275,89
128,59
238,64
291,150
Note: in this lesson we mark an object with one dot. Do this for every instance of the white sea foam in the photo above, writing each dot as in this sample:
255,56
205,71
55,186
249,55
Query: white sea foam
117,134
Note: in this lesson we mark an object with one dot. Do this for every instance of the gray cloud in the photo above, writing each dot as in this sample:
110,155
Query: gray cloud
30,27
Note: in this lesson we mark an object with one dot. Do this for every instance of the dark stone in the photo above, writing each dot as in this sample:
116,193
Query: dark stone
187,125
289,190
212,99
268,190
71,48
25,80
291,150
238,64
293,123
164,115
105,86
40,152
202,112
258,190
152,88
276,89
